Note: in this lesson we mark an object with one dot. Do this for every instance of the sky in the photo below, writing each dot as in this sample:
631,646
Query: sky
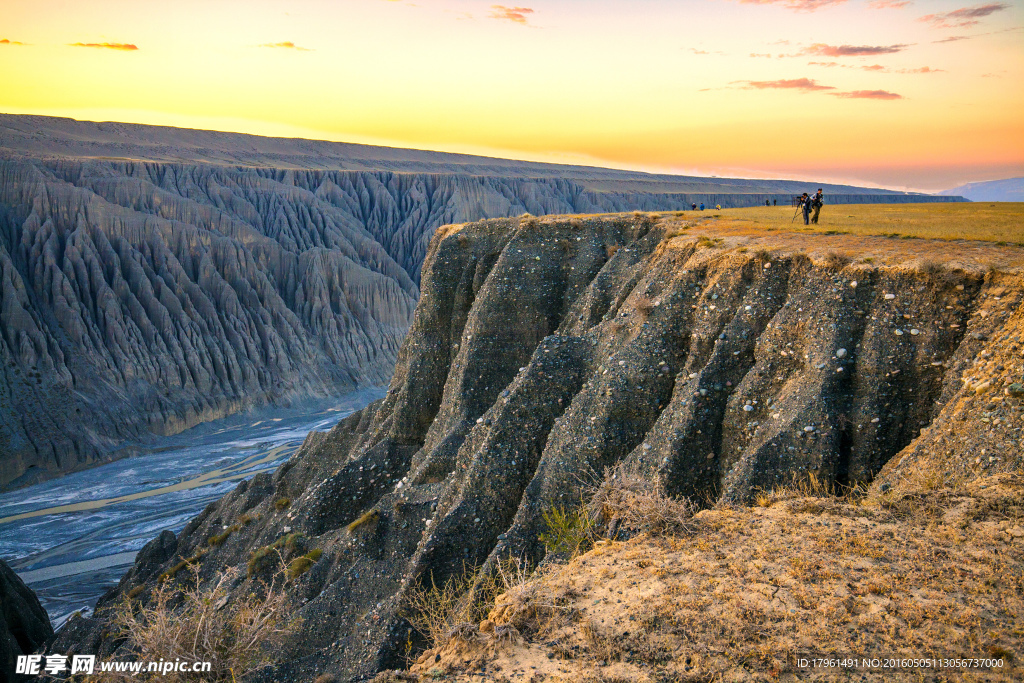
907,94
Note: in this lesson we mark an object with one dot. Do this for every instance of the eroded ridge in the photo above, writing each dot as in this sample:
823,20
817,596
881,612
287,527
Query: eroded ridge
542,352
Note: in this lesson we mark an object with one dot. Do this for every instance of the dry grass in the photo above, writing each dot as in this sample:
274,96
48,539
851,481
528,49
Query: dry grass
202,624
365,519
450,611
749,591
627,499
992,222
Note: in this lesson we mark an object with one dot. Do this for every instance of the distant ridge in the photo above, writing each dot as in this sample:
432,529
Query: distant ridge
49,137
1007,190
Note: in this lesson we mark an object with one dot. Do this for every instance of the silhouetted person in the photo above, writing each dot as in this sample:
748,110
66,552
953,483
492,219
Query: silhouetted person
767,202
775,202
805,207
693,206
817,201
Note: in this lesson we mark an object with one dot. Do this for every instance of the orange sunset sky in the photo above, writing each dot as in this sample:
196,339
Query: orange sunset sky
922,94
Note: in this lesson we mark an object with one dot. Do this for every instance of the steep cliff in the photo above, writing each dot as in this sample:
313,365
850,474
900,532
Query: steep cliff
543,351
154,278
145,299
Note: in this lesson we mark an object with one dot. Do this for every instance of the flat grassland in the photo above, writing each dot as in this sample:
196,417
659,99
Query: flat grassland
1001,222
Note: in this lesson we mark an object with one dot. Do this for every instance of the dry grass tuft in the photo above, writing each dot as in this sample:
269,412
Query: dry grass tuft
627,499
836,260
365,519
706,242
203,625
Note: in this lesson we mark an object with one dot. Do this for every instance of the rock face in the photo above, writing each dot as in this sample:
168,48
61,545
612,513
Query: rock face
154,278
141,299
542,352
24,625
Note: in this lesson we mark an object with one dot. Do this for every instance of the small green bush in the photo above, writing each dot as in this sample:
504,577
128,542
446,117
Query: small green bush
261,560
570,532
136,592
368,517
172,572
218,539
301,565
282,503
293,544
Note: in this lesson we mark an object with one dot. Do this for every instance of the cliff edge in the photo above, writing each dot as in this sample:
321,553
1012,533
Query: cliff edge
544,351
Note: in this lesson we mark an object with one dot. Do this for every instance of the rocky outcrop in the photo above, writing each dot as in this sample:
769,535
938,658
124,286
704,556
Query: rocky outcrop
24,625
153,278
142,299
542,352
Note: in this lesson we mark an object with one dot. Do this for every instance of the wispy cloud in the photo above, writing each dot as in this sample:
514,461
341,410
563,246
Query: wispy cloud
806,85
868,95
824,50
287,45
760,54
517,14
963,17
803,84
108,46
952,39
5,41
889,4
878,68
796,5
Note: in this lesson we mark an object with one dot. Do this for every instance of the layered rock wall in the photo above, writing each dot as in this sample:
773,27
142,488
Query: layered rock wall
542,352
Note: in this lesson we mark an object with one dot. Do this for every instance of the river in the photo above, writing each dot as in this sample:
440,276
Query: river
71,538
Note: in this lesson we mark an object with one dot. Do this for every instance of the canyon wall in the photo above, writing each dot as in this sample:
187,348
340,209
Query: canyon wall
144,297
544,351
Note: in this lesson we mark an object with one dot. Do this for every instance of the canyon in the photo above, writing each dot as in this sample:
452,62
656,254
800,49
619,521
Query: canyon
156,278
721,364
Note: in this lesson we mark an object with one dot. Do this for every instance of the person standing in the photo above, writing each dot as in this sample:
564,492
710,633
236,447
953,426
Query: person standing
702,206
767,202
775,202
816,203
805,207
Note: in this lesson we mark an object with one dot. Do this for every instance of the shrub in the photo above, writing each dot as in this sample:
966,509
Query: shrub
836,260
218,539
368,517
301,565
298,567
570,532
438,611
611,249
452,610
262,560
629,499
136,592
282,503
236,638
173,571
